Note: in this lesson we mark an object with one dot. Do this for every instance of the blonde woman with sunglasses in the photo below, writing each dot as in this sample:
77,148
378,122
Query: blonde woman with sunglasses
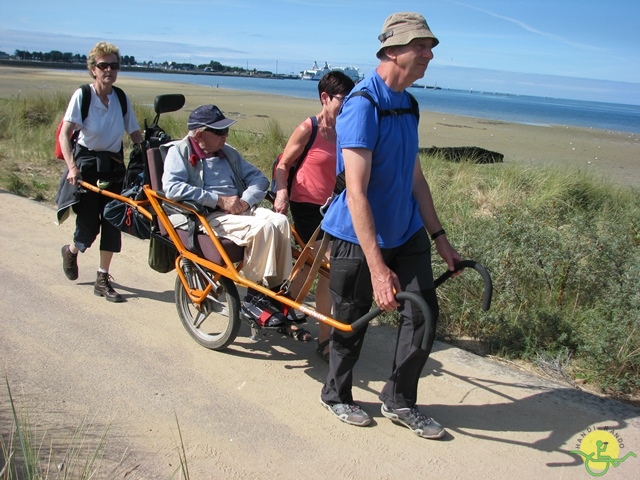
97,158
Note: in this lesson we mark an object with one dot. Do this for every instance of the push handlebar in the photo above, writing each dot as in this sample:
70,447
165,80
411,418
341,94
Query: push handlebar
417,300
430,325
488,285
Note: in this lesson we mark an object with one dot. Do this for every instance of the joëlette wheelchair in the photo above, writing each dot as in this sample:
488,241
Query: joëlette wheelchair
208,267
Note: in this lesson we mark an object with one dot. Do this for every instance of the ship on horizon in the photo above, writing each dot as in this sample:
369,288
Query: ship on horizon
431,87
316,73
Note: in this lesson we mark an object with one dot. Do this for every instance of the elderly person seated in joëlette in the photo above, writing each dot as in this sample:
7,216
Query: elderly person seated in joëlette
203,168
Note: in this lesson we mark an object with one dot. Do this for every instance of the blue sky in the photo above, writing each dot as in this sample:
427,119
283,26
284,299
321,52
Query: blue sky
560,48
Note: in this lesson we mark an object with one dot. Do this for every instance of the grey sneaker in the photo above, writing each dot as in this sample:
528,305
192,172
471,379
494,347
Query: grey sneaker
414,420
349,413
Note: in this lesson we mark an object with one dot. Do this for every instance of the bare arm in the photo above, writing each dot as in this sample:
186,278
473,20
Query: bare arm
136,137
292,151
65,144
422,194
357,172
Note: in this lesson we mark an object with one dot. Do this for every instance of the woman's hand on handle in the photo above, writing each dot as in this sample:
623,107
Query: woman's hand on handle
73,175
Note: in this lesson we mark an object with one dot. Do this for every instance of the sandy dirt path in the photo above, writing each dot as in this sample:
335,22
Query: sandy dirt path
253,411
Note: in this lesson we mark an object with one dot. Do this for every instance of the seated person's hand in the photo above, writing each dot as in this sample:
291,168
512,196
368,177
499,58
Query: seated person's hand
233,205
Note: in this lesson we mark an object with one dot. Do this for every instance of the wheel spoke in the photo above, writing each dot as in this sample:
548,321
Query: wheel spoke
216,322
199,318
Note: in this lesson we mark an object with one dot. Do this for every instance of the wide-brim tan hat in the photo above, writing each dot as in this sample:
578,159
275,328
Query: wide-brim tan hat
400,28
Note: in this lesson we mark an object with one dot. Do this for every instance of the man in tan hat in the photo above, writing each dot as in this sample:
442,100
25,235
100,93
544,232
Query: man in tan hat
381,225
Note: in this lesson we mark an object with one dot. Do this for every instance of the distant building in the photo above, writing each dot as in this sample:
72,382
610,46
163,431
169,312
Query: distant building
4,55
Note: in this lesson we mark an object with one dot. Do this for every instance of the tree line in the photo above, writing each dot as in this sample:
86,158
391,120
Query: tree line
65,57
129,60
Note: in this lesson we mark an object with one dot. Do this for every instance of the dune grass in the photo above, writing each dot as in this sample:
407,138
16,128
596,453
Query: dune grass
563,251
562,247
25,455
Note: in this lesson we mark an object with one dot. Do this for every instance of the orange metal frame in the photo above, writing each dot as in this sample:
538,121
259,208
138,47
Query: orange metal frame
308,256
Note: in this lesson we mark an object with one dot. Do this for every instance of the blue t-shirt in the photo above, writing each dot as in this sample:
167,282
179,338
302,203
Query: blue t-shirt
394,143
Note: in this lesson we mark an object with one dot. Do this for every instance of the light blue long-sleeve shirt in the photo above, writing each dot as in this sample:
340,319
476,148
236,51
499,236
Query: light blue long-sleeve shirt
210,177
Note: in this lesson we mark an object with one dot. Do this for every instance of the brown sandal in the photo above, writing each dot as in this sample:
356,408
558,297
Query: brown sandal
294,331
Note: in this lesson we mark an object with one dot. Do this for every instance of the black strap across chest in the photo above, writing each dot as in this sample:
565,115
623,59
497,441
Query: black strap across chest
392,112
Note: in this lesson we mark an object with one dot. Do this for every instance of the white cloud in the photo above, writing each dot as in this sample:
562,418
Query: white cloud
535,31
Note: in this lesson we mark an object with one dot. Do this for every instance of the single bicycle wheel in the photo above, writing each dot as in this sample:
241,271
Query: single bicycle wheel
216,322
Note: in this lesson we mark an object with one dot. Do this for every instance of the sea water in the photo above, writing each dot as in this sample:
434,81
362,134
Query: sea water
493,106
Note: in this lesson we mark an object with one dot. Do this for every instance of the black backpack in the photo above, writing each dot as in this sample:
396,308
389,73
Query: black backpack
392,112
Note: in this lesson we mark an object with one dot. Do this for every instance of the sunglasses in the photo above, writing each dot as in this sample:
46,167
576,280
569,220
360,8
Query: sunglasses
221,132
105,65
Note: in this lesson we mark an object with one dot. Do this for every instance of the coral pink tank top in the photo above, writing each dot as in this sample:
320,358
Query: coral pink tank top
316,178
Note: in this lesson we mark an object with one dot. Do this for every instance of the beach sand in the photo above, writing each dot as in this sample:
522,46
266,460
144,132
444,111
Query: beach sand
614,156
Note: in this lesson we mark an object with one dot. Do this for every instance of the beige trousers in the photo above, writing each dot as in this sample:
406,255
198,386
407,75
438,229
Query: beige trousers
266,236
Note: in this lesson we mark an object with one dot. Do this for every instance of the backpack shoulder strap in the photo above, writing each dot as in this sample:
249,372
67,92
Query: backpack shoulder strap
312,138
298,163
392,112
414,106
414,110
122,98
367,95
85,100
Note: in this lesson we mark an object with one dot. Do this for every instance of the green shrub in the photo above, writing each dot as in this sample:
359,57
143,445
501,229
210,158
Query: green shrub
27,141
562,249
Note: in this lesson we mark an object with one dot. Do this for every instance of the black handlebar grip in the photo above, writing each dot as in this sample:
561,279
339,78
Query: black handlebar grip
488,285
417,300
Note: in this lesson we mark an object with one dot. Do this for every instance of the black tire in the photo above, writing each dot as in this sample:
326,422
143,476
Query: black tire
216,324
